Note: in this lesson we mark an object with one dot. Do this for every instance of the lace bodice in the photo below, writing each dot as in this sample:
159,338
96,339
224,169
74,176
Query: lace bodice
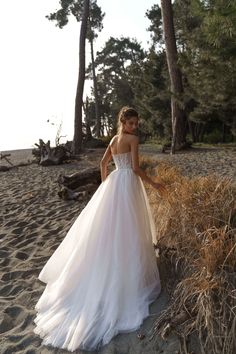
123,160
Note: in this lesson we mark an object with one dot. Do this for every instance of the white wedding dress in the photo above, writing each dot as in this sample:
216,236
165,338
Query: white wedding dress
103,276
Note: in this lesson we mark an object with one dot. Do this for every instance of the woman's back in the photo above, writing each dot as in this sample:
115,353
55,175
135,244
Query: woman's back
121,143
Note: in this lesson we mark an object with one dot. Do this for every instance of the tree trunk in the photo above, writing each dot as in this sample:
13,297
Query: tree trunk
223,133
177,113
87,120
191,130
97,115
202,132
77,141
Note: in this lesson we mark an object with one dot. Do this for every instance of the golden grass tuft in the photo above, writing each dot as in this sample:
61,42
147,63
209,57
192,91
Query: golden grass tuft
196,234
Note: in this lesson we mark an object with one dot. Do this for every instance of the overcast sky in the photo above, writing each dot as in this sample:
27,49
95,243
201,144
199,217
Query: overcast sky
39,65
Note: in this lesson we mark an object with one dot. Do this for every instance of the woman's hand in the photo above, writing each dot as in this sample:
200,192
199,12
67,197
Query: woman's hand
159,187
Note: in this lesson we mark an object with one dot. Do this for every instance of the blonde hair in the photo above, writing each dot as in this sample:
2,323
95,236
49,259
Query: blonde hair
125,114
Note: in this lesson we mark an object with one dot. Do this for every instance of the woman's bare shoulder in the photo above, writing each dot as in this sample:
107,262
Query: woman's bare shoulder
134,138
113,139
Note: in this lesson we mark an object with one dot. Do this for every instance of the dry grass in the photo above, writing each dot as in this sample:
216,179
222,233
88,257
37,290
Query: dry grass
196,235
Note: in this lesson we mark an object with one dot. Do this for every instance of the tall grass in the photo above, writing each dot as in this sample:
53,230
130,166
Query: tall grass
196,235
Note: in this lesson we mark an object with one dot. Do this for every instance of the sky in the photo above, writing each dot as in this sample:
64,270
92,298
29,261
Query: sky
39,65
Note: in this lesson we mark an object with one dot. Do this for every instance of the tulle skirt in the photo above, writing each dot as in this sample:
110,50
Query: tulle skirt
103,275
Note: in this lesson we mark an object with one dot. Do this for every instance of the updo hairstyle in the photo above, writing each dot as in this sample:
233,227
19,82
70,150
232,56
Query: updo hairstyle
125,114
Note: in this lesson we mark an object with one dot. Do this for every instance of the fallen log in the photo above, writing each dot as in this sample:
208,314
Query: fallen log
68,194
80,184
77,179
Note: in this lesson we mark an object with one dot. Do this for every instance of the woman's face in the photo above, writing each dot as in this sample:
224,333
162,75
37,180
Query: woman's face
130,125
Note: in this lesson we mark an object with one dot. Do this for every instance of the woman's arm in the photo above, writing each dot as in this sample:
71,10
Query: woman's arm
135,164
104,162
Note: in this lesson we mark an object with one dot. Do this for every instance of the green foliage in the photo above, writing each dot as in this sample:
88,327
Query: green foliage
213,138
75,8
154,15
206,32
129,75
115,65
106,139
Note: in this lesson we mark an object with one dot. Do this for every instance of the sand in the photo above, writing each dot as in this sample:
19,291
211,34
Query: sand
34,220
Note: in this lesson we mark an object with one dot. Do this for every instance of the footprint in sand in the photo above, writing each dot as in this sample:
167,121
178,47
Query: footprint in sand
15,338
29,250
33,225
15,241
47,225
52,248
9,223
45,236
21,255
19,274
31,236
22,345
3,236
50,213
17,289
12,275
12,316
5,262
6,323
27,321
5,290
23,244
56,231
14,311
22,224
4,253
31,351
29,273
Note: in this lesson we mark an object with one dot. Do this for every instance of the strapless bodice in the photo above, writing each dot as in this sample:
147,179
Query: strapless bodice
123,160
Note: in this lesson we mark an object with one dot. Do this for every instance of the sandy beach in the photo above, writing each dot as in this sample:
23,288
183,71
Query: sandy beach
34,220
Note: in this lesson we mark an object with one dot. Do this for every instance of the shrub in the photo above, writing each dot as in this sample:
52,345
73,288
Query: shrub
213,138
196,235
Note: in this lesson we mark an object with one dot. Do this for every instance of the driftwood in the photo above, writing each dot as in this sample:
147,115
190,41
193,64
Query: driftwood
4,167
47,155
79,184
89,175
5,157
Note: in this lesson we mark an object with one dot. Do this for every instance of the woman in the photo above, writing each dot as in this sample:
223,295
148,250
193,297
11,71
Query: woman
103,276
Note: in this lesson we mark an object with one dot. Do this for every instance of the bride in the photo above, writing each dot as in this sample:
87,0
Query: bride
103,276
